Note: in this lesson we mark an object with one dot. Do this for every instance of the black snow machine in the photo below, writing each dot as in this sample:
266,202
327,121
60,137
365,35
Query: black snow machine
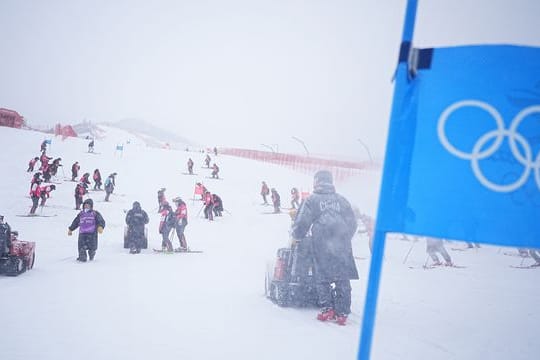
290,282
19,257
145,243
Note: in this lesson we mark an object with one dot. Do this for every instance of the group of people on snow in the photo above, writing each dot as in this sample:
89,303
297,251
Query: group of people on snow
276,199
170,219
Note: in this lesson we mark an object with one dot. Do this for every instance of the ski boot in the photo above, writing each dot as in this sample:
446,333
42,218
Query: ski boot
341,320
326,314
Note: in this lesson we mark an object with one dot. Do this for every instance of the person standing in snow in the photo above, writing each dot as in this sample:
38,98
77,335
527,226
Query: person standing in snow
265,191
45,193
276,201
91,146
208,206
136,219
215,171
31,164
109,186
97,179
35,193
80,190
90,224
434,246
207,161
43,146
332,222
166,224
190,166
181,222
5,236
218,205
295,198
44,160
85,180
53,168
75,170
161,199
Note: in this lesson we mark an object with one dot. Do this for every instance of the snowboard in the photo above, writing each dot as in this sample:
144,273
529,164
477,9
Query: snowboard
176,251
185,173
209,177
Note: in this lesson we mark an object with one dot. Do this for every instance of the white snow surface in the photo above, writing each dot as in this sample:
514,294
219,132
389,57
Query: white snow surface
212,305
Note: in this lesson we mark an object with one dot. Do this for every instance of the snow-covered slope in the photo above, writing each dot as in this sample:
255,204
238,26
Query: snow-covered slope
212,305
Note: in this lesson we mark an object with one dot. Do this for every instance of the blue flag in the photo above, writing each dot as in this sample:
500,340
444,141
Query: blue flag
463,152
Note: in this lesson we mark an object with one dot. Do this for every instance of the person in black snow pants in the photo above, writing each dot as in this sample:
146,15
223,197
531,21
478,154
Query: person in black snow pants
166,224
333,225
218,205
276,201
90,224
136,218
109,186
31,164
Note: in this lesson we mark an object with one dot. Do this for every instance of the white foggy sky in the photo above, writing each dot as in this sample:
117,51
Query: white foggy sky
235,72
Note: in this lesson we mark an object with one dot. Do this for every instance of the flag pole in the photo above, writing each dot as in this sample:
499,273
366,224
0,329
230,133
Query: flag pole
372,292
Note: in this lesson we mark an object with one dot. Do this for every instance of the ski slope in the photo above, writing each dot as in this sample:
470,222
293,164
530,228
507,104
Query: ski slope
212,305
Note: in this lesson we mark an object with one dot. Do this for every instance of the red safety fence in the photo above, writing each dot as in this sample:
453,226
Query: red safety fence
307,164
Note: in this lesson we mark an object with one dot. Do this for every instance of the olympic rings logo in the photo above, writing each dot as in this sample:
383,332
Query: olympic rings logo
479,153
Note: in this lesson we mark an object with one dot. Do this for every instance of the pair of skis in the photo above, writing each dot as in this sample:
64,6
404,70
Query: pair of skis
177,251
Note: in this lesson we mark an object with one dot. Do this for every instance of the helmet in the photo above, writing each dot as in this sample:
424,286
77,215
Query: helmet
136,205
177,199
89,202
53,187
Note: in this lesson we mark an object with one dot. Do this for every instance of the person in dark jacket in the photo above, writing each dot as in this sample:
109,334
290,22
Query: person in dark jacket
333,224
90,224
31,164
161,199
276,201
136,218
215,171
265,191
218,205
109,185
166,224
208,206
75,170
79,192
190,166
181,222
45,193
97,179
5,236
43,146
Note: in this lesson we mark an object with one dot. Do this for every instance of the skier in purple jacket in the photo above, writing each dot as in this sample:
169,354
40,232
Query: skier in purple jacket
90,223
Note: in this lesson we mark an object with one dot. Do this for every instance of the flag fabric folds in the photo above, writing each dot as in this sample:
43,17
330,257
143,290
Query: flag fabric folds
463,152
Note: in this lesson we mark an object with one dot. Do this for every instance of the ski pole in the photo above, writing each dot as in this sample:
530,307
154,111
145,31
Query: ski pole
200,210
227,211
408,252
425,263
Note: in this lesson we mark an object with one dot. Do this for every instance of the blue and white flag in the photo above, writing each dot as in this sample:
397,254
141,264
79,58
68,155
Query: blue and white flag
463,153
